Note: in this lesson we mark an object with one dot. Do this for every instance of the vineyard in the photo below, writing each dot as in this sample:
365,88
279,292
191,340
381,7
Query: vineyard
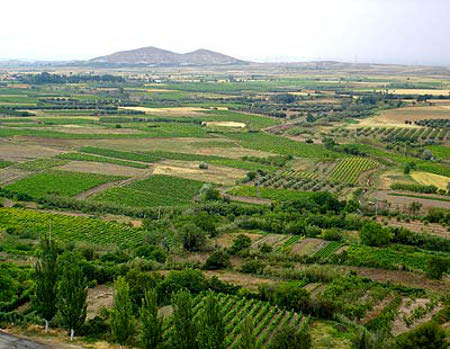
269,193
348,170
95,158
62,183
294,180
396,134
157,190
266,318
328,250
69,228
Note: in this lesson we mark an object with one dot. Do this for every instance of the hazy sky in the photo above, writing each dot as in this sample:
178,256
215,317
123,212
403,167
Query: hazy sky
397,31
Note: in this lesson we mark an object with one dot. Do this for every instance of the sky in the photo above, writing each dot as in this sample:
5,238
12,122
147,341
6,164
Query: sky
373,31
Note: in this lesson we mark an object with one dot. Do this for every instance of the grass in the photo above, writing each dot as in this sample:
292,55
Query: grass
157,190
270,193
280,145
62,183
94,158
143,157
4,164
40,164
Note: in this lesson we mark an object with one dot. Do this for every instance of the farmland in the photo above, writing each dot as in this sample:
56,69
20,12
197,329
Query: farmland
309,201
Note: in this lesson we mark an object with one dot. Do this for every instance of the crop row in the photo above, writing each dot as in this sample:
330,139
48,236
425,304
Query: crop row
328,250
349,169
67,228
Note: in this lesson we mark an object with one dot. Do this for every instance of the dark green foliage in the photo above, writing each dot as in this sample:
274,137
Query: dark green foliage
373,234
193,238
287,296
46,277
426,336
248,338
72,292
151,332
184,335
425,189
241,242
287,337
189,279
121,318
437,267
152,252
332,234
218,260
139,283
211,326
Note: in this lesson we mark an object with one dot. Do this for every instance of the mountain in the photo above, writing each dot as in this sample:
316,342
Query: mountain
156,56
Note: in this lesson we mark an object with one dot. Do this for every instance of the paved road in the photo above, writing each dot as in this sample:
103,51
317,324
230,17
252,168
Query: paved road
8,341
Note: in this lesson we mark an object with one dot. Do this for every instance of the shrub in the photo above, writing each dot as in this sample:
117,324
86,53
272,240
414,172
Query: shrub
203,166
240,243
429,335
218,260
332,234
373,234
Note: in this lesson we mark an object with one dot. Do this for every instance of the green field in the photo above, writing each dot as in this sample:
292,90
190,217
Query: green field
157,190
62,183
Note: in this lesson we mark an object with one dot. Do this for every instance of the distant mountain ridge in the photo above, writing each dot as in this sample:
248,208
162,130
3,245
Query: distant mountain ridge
156,56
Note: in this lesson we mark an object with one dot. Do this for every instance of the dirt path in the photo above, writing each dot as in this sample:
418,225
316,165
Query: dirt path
121,183
403,278
404,201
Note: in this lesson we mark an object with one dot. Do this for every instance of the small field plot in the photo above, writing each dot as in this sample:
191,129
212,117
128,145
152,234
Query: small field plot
348,170
426,178
70,228
270,193
61,183
398,116
40,164
157,190
190,170
102,168
22,152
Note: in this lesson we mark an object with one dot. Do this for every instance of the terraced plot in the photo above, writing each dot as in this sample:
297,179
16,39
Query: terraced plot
62,183
349,169
157,190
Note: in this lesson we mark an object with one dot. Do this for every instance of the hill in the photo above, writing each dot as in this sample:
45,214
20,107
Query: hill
156,56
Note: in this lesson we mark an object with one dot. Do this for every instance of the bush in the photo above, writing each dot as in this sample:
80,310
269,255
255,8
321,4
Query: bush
193,238
373,234
218,260
241,242
332,234
437,266
287,337
429,335
203,166
253,266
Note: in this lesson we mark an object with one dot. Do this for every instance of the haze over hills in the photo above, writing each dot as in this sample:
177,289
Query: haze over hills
156,56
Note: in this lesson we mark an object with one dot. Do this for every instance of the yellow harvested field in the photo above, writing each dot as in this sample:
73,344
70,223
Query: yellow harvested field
397,117
225,124
410,91
80,129
426,178
175,111
102,168
190,170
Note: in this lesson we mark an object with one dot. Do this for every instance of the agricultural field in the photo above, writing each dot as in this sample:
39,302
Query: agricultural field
310,202
60,183
157,190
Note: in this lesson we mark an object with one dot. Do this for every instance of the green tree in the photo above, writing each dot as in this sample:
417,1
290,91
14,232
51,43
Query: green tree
290,297
121,318
427,336
241,242
184,335
46,276
72,293
211,327
193,238
218,260
151,328
373,234
287,337
248,338
437,266
414,207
